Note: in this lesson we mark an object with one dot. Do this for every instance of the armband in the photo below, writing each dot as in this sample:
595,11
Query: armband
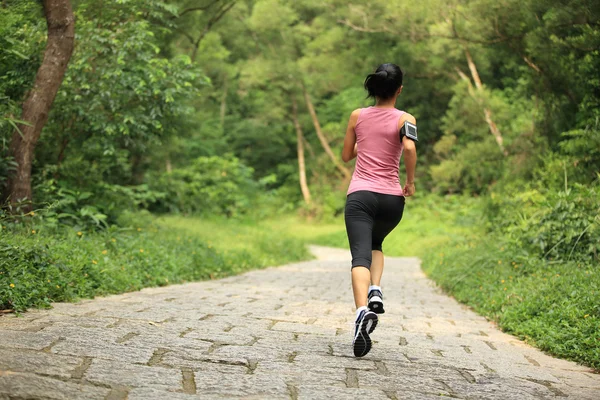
409,130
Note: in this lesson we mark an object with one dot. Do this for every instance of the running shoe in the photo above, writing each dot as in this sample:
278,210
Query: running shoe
376,301
364,325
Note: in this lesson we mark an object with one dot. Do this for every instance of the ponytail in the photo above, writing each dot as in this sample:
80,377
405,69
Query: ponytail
384,82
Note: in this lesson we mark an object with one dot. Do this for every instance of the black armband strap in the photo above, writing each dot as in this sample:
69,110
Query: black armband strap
409,130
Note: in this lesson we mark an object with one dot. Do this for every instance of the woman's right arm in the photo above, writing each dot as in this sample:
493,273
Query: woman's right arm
349,150
410,159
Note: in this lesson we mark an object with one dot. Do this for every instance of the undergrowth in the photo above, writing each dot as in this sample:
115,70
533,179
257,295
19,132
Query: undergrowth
40,265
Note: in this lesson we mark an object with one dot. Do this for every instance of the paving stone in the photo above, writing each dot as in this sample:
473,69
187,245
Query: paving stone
105,351
221,337
114,373
338,393
295,374
193,359
252,352
26,340
415,383
235,383
71,320
404,395
327,361
16,385
38,362
277,333
303,328
157,394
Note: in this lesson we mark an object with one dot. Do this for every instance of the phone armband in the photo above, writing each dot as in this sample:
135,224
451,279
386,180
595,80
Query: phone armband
409,130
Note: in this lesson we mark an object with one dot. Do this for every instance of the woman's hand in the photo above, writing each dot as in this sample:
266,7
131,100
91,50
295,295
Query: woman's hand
409,189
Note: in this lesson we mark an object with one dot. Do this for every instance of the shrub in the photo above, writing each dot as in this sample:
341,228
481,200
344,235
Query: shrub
209,186
558,225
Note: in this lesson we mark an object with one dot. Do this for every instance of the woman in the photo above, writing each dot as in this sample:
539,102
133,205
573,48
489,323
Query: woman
375,202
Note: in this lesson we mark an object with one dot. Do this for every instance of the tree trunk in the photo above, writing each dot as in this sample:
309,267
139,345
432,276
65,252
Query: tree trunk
487,113
473,69
345,172
300,147
61,157
36,107
223,109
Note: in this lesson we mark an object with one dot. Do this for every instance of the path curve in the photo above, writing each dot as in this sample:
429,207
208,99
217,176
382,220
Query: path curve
278,333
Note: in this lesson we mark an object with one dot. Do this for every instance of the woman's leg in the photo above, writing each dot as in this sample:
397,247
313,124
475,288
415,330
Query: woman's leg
359,212
376,267
361,208
361,278
388,217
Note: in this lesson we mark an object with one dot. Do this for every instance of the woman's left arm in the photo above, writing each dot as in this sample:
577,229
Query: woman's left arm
350,149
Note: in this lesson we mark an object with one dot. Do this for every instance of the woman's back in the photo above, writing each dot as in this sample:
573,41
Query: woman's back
379,151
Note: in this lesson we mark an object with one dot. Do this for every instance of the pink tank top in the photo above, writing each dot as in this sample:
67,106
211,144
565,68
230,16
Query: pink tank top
379,151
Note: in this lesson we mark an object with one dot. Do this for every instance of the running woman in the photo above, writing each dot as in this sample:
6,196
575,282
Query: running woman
377,136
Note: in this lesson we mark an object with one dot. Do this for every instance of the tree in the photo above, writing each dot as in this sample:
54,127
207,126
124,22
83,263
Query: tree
36,107
322,139
300,151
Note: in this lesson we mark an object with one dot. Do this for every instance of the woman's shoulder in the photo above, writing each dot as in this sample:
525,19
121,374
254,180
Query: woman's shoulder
356,113
354,116
405,116
409,117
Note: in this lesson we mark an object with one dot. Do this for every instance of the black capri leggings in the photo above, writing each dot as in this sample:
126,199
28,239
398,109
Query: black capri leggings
370,217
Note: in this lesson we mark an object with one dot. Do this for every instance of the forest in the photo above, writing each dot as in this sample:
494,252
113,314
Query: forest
186,140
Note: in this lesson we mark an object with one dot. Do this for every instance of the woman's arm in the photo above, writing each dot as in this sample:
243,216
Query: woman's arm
350,150
410,159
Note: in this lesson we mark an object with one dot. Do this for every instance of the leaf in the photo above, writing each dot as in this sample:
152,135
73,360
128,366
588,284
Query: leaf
21,55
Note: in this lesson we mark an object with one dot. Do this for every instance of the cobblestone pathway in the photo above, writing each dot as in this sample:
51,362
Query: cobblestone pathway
280,333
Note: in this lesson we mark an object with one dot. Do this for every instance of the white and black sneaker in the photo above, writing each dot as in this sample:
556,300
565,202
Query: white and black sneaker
376,301
364,325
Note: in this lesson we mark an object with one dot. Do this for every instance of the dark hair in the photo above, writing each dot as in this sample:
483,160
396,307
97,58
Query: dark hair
384,83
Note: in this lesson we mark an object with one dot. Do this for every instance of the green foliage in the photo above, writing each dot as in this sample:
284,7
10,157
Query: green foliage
39,264
7,166
88,210
475,167
582,151
554,305
208,186
121,99
21,41
22,38
555,225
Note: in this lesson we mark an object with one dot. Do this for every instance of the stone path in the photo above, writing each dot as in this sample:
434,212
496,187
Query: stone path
279,333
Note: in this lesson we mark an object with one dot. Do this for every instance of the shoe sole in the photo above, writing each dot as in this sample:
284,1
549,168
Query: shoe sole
376,305
362,341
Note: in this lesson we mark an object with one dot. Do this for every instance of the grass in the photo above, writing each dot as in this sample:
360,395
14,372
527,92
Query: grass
552,305
40,265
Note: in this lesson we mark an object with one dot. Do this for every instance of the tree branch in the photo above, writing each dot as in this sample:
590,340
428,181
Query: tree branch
213,20
201,8
363,29
188,36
